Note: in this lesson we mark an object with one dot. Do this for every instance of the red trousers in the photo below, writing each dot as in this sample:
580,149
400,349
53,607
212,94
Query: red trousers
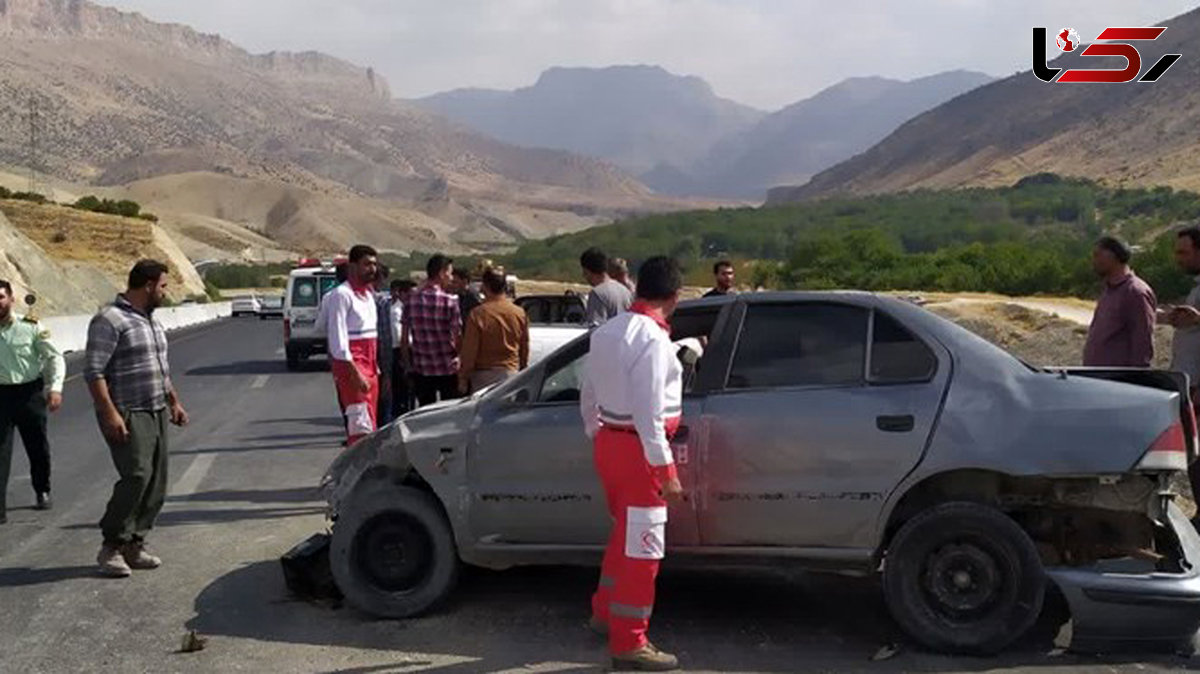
358,407
625,596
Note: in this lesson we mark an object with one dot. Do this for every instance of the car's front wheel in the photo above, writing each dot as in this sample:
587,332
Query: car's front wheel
963,578
393,553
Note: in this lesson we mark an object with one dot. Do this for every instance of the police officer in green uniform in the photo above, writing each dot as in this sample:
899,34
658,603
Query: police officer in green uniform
31,382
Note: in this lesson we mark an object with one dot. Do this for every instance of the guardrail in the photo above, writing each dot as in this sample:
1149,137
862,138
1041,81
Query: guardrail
69,333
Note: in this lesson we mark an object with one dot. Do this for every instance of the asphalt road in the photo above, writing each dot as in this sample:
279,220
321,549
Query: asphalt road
242,494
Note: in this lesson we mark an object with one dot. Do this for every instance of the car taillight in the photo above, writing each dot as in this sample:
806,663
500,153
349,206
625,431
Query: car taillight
1167,452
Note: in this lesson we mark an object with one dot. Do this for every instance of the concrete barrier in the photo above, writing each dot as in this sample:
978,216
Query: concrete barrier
69,333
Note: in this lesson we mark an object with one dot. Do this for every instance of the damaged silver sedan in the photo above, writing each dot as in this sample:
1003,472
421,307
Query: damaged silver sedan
828,431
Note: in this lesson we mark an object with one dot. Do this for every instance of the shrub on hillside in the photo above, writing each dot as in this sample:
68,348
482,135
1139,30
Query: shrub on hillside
5,193
29,196
124,207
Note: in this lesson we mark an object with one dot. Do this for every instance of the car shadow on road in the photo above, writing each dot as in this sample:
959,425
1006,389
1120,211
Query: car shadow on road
23,576
247,367
524,617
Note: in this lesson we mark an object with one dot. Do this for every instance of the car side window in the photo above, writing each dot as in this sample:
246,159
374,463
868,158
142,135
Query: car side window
810,344
897,356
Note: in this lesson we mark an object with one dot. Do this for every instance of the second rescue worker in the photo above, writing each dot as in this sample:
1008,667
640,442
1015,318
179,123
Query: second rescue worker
352,334
631,403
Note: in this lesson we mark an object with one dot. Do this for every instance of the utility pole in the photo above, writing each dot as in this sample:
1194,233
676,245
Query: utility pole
34,154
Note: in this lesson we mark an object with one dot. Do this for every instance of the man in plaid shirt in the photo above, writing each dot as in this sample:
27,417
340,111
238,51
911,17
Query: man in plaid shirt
432,334
130,381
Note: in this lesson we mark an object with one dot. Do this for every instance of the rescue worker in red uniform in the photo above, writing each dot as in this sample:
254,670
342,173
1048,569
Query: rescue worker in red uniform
631,401
353,342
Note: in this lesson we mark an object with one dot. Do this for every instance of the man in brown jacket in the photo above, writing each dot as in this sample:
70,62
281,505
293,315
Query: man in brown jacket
496,343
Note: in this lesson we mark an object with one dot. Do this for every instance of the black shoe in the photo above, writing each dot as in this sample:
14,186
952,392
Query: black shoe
43,501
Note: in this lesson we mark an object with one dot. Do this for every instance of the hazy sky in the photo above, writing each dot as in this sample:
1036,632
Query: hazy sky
766,53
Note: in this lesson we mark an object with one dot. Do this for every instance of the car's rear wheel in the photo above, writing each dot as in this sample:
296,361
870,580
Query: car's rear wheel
963,578
393,553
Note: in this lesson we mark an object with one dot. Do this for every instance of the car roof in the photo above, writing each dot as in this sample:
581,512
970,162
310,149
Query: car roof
852,296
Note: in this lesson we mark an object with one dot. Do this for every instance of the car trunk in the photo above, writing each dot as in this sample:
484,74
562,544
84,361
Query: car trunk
1159,379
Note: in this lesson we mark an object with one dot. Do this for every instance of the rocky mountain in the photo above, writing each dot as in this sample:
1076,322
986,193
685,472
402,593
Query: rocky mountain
638,117
119,99
1135,133
793,144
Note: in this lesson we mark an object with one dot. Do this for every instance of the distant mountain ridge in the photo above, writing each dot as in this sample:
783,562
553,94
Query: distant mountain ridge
837,123
1135,133
680,138
120,98
635,116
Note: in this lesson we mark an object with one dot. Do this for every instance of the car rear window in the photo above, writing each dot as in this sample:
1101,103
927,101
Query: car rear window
307,291
553,310
897,356
800,345
304,292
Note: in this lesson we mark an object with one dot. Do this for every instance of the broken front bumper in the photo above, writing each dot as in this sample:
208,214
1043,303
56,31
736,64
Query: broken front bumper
1110,608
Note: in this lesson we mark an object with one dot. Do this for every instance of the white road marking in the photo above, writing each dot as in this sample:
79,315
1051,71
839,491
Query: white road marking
260,381
188,482
279,351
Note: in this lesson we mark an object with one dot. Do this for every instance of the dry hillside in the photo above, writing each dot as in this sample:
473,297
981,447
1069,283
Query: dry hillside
76,260
1135,133
331,157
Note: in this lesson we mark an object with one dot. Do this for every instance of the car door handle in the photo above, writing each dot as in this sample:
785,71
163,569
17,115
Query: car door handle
895,424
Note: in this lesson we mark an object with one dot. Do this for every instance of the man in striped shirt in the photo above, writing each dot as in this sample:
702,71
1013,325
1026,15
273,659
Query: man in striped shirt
433,328
353,345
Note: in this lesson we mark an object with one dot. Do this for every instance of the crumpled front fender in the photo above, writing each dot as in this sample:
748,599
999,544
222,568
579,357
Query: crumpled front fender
383,448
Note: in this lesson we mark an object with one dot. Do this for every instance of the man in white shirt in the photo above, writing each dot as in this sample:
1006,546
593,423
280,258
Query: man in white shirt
352,335
631,402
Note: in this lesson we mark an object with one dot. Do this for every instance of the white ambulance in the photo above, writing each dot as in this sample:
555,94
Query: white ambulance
307,285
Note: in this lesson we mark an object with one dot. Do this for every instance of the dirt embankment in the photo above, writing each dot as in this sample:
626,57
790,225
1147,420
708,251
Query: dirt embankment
1033,334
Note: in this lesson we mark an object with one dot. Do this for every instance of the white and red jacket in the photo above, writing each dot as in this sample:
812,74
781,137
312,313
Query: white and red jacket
352,332
351,316
633,382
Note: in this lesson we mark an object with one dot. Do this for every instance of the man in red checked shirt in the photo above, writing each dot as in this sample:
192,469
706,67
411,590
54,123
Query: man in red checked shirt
432,334
631,403
352,333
